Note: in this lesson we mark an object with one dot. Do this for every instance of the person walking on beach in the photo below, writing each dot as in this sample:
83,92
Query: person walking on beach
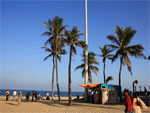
137,104
19,97
14,95
7,95
128,103
33,95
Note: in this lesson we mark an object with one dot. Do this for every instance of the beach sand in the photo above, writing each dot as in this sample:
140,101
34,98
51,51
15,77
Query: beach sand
46,106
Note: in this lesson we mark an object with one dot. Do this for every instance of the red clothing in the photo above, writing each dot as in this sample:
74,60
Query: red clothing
128,103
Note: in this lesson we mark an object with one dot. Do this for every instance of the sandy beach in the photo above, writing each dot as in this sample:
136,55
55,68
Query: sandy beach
44,106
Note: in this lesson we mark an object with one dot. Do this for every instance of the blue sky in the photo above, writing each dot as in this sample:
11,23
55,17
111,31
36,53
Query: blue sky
22,65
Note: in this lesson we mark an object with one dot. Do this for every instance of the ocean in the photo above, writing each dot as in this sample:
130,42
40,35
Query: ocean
42,93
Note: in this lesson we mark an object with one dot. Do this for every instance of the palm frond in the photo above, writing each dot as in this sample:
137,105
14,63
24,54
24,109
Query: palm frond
59,58
113,39
80,43
47,57
108,79
83,73
46,25
89,76
127,60
136,51
94,69
115,56
112,47
47,49
74,50
128,35
119,32
46,34
80,67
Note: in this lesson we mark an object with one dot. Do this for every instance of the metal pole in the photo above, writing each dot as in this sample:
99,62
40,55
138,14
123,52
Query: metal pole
86,51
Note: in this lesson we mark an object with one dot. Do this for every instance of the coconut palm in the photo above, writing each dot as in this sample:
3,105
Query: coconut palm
56,32
91,65
109,78
105,53
123,49
72,41
52,51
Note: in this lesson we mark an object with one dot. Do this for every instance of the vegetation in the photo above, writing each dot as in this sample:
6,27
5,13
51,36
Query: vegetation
72,41
56,32
91,62
120,45
52,51
109,78
123,49
105,54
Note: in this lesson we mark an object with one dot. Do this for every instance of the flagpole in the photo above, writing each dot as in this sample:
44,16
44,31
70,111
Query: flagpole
86,52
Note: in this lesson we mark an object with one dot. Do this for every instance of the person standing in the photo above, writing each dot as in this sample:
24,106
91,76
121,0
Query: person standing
128,103
137,104
14,95
33,95
19,97
7,95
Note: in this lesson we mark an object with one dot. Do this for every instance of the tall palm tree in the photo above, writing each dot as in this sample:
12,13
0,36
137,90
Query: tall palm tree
105,53
91,65
52,51
56,32
123,49
72,41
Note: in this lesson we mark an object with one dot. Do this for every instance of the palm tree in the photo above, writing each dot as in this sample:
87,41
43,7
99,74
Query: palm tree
56,32
123,49
105,54
91,62
52,53
109,78
72,41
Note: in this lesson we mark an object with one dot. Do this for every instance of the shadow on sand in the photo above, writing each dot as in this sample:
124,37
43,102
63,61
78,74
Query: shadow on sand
78,104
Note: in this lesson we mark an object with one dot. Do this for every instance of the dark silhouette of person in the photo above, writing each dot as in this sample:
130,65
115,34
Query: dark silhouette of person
7,95
78,97
33,95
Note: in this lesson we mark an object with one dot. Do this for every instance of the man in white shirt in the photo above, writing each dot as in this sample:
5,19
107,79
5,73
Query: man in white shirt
14,95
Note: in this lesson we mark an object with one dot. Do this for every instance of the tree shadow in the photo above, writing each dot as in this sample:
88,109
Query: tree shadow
78,104
12,104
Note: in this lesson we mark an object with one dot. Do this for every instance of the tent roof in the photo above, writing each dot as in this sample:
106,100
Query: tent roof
89,85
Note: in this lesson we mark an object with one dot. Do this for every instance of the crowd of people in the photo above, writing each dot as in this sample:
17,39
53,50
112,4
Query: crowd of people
135,105
14,96
18,97
132,105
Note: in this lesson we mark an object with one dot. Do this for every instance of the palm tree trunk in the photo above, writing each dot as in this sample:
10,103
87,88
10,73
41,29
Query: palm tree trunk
121,62
69,80
104,73
57,83
53,77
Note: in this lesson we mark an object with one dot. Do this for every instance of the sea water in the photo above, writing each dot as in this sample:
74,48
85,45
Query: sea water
42,93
